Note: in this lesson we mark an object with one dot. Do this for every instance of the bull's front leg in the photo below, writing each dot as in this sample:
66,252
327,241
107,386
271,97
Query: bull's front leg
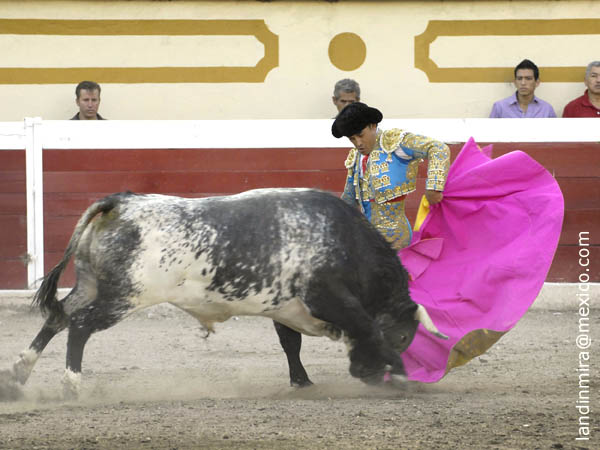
371,355
291,341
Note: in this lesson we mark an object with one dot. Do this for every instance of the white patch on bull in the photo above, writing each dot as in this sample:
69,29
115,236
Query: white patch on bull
24,365
295,315
259,193
180,283
71,382
181,280
184,282
349,343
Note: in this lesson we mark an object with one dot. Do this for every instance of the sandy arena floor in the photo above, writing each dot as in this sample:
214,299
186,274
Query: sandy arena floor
153,382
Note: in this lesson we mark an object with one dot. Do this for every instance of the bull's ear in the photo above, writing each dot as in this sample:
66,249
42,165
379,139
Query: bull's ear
422,316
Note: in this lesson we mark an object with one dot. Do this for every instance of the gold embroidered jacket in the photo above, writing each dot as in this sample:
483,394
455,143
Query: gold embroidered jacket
393,165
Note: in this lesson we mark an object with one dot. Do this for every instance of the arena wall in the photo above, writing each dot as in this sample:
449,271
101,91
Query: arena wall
86,161
198,60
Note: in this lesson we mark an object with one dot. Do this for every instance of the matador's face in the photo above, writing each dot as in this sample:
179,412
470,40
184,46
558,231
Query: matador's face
364,141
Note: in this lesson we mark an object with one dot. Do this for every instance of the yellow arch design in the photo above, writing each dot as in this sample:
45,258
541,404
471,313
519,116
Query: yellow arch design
49,75
437,28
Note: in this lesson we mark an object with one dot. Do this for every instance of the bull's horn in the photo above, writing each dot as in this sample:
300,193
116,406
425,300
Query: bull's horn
422,316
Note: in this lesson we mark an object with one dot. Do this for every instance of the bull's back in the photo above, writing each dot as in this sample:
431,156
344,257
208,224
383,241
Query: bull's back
242,254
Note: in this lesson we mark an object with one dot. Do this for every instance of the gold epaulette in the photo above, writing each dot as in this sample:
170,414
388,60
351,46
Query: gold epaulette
351,159
391,139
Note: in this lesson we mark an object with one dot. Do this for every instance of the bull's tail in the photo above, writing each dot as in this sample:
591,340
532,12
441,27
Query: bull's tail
45,297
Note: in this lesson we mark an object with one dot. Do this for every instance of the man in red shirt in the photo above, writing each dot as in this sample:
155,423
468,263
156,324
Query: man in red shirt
588,105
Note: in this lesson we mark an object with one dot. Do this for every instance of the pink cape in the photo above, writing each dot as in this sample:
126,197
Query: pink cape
481,256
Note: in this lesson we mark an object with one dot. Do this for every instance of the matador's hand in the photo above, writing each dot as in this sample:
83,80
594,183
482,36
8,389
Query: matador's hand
434,197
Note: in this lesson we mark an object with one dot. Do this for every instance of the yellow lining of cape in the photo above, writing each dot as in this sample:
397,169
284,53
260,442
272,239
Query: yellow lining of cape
421,213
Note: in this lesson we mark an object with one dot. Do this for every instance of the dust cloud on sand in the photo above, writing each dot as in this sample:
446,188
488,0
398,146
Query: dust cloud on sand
154,382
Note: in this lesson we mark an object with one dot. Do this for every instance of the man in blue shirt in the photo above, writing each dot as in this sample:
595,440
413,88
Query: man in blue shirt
523,103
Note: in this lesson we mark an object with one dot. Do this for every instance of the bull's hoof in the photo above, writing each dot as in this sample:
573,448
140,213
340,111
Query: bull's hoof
393,380
373,379
388,378
9,389
23,366
301,384
71,383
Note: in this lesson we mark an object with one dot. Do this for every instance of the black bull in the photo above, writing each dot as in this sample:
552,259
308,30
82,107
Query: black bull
298,256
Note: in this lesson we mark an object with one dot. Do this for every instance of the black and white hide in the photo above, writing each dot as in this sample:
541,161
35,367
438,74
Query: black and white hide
301,257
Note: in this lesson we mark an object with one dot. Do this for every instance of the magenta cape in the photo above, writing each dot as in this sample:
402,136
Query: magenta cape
481,256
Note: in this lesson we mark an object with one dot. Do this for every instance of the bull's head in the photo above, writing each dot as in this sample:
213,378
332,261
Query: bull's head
400,333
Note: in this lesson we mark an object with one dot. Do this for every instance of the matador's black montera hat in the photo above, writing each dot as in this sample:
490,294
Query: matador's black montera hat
354,118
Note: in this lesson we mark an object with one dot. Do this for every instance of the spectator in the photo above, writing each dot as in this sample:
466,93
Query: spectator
346,91
87,98
523,103
588,105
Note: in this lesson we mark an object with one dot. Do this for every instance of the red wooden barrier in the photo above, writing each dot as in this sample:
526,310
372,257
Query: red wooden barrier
13,220
73,179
